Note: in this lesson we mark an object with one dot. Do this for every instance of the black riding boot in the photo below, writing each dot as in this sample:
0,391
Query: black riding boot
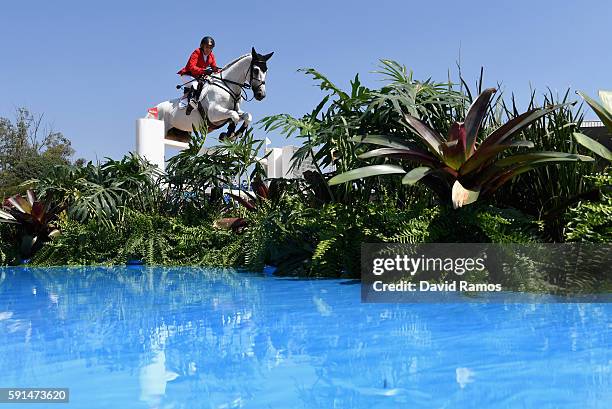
189,95
192,104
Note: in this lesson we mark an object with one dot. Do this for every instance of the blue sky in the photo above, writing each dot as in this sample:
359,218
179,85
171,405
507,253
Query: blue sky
93,68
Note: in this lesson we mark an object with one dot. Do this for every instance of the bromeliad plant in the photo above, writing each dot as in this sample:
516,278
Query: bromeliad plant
457,167
36,219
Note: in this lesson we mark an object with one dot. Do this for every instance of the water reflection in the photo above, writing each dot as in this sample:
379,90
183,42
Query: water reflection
214,338
154,375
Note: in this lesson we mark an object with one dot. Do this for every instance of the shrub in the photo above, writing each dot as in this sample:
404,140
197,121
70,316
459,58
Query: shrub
592,221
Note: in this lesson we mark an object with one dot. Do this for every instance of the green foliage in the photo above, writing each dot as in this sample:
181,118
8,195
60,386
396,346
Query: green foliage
546,192
86,243
147,238
603,110
592,221
328,132
152,239
9,252
197,170
28,150
474,224
34,220
103,192
122,210
456,167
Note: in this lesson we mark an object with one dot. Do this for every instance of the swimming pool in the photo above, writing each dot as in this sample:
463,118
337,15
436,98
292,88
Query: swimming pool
138,337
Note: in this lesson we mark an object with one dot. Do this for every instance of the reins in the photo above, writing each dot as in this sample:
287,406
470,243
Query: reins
236,97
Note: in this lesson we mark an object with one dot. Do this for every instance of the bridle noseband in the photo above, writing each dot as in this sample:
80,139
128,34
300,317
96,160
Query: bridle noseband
251,79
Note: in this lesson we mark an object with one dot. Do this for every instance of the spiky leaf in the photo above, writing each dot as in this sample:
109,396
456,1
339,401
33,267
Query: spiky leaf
475,116
603,114
431,138
364,172
593,146
415,175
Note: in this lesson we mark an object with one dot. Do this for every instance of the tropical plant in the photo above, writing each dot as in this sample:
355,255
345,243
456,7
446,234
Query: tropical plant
546,192
102,192
141,179
591,221
147,238
458,167
36,221
327,131
604,112
197,175
89,243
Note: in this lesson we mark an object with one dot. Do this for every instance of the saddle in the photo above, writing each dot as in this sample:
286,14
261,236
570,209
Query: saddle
195,93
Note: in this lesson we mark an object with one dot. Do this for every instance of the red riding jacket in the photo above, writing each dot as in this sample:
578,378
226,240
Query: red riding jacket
197,64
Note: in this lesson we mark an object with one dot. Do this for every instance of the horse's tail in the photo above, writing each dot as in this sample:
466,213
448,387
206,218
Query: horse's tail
152,113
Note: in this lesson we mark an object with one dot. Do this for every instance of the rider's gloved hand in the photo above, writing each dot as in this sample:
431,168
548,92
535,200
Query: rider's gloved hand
208,71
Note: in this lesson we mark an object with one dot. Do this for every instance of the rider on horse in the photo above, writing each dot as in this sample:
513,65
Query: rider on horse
201,63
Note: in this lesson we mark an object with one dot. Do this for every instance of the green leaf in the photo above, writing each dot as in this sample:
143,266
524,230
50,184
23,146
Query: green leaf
517,124
493,180
384,140
364,172
594,146
415,175
602,113
407,154
483,155
542,157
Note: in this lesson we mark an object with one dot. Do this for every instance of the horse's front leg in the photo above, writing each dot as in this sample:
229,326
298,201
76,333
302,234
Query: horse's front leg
246,117
218,114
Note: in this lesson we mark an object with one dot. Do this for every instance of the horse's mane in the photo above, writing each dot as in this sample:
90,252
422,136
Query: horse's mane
229,64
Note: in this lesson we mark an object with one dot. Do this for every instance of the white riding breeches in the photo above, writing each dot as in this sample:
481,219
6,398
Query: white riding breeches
186,78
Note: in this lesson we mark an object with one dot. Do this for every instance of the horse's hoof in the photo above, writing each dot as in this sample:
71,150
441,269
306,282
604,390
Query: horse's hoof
222,136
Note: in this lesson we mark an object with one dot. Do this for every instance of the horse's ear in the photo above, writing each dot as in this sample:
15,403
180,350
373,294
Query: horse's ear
253,52
267,56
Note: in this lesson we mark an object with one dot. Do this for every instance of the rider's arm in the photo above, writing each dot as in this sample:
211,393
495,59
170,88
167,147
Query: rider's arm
192,65
213,63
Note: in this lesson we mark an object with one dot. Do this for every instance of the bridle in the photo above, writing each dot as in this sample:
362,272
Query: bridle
244,86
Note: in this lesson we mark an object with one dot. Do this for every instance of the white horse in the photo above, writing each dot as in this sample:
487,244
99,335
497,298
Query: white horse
219,99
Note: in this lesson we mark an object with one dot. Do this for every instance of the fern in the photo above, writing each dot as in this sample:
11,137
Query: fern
592,221
146,239
325,260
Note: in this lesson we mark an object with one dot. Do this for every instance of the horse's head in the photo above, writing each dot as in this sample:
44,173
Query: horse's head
258,69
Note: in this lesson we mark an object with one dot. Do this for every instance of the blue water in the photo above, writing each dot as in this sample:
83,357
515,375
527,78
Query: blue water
208,338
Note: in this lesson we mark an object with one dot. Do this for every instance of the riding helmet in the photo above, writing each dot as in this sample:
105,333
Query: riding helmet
207,41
